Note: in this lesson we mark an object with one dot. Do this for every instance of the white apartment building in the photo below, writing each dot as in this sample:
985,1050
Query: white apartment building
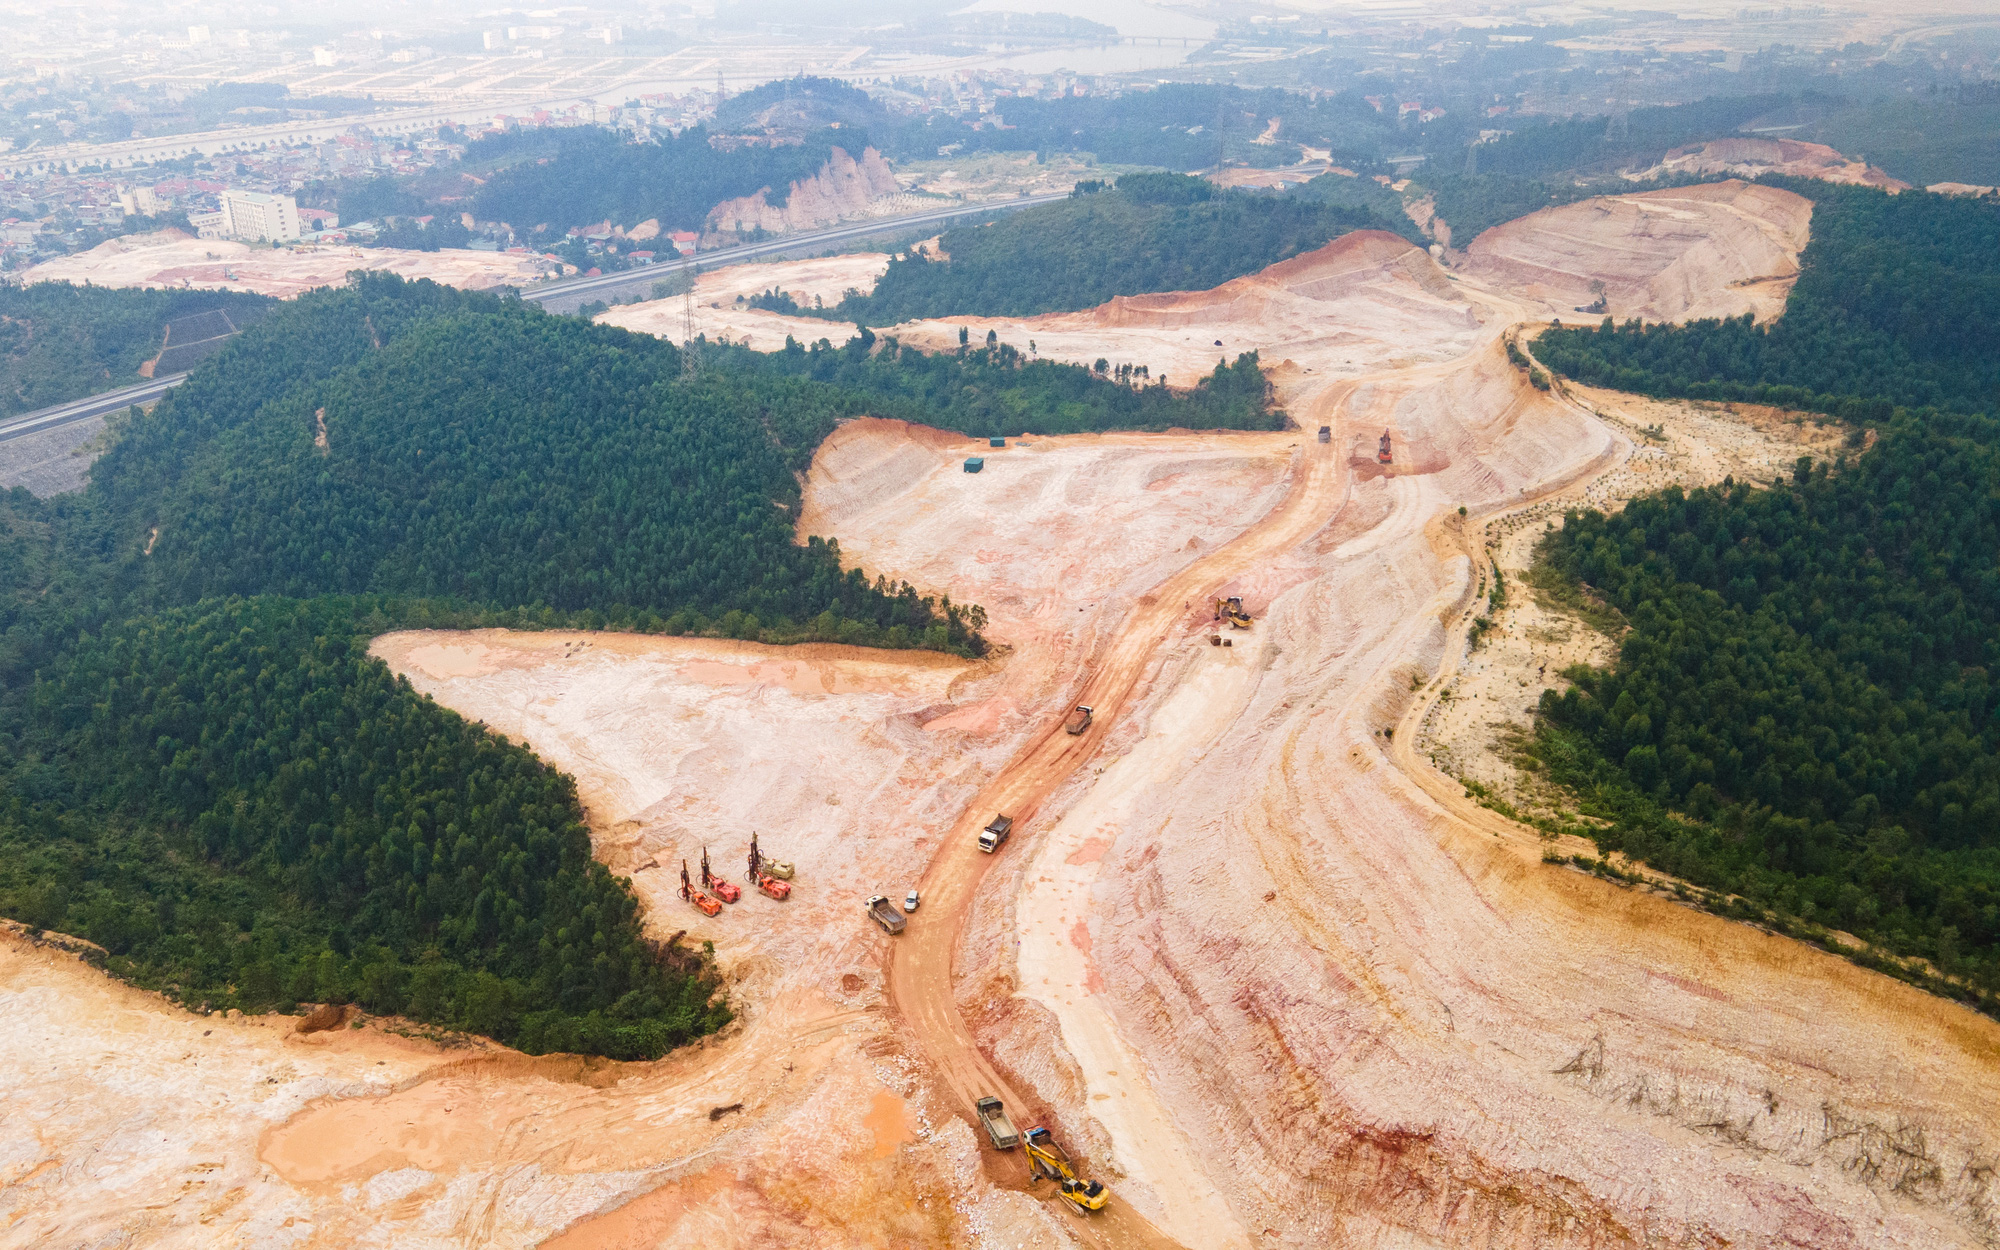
139,201
250,215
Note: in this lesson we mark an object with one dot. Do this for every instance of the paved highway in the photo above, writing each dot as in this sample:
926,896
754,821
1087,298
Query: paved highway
570,292
580,289
84,409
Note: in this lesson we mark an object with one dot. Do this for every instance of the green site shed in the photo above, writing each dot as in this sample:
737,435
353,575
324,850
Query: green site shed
996,442
974,464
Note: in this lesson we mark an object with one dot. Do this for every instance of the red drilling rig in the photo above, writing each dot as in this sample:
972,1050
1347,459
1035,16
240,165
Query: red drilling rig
708,906
1382,456
764,881
715,885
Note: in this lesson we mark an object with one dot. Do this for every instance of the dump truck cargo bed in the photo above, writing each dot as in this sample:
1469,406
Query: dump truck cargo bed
994,835
999,1129
884,913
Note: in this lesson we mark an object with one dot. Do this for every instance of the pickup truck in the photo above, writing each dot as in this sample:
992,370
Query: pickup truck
999,1129
1079,719
995,833
885,914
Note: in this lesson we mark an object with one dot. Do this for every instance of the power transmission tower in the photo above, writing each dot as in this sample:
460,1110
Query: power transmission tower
690,357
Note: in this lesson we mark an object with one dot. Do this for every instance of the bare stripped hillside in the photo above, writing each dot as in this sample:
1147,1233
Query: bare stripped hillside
170,258
1740,155
1261,967
1364,301
1713,250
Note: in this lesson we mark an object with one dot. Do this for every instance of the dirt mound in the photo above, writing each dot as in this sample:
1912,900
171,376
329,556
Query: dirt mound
1773,156
323,1017
172,258
1713,250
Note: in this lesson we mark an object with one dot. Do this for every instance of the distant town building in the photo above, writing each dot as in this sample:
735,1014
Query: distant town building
198,34
139,202
684,241
250,215
325,56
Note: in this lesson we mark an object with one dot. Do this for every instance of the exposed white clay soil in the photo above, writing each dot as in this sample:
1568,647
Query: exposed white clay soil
1260,965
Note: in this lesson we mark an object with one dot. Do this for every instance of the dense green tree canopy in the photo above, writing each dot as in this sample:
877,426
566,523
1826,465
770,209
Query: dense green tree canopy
999,390
60,342
246,810
1152,232
1897,303
201,768
1803,711
1809,677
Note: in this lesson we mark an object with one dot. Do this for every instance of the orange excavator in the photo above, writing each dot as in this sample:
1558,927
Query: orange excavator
708,906
718,886
766,884
1231,610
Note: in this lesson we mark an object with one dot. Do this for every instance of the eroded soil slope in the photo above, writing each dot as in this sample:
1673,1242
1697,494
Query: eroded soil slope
1374,1022
1365,301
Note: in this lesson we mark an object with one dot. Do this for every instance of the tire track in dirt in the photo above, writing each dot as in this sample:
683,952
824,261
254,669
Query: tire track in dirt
919,972
920,963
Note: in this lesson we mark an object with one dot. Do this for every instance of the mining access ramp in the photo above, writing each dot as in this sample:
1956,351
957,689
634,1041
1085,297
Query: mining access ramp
920,964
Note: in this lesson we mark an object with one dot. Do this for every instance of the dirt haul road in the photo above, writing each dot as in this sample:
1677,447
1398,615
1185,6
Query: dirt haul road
1379,1020
920,967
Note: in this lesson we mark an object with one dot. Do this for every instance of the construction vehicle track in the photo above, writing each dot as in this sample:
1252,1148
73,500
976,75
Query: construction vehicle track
920,965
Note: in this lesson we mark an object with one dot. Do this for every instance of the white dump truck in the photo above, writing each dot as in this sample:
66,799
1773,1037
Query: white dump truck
995,833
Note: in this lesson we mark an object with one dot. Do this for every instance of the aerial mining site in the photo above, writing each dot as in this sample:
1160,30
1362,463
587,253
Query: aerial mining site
1248,953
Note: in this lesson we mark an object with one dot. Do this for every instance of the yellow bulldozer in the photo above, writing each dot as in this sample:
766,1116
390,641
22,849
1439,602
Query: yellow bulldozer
1045,1158
1231,610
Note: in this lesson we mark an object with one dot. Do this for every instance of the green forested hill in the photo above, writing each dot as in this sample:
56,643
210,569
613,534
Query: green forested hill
498,456
595,175
60,342
997,390
247,810
1152,232
1803,712
1808,680
1897,302
202,770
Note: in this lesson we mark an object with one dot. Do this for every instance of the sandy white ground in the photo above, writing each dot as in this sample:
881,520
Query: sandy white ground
718,315
171,258
1258,964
